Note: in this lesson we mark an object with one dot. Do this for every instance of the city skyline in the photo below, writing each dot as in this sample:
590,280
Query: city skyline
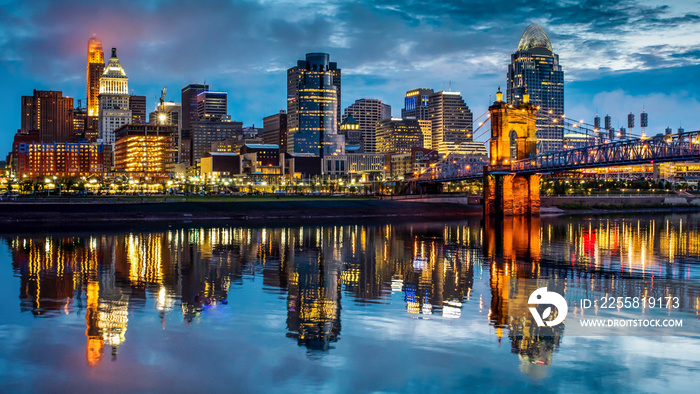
432,49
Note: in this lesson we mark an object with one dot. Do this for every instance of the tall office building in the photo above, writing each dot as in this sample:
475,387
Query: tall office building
189,103
416,104
50,113
313,106
189,115
275,130
535,70
398,136
113,99
94,70
212,106
367,112
451,119
137,105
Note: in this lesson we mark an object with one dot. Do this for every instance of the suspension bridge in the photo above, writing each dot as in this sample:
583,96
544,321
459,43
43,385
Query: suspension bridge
511,175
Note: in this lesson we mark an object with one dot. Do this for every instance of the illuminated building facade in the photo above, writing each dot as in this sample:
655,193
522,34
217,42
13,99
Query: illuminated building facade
313,106
145,150
79,117
369,164
535,70
275,130
416,104
262,160
50,113
396,135
367,112
451,120
60,159
212,106
231,144
422,158
474,150
215,165
114,99
94,70
577,140
267,154
204,133
137,105
350,129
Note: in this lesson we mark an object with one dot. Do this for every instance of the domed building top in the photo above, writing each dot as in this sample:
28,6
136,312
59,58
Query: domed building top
534,37
350,120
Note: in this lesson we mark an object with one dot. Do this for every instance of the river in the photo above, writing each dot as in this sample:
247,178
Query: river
380,306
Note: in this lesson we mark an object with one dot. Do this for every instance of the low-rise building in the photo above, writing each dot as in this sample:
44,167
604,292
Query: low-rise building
217,165
262,159
32,160
145,150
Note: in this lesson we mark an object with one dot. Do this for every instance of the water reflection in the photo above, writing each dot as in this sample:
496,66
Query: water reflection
433,267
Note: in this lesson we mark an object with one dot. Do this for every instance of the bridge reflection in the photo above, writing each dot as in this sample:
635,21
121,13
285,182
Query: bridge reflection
432,269
513,247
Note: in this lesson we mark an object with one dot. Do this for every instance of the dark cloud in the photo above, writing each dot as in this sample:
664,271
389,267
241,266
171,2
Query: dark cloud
384,47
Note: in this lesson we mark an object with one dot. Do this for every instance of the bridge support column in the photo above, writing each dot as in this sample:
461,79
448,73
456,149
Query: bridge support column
509,194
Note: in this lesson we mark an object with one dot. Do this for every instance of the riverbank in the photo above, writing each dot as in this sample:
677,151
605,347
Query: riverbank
96,212
230,210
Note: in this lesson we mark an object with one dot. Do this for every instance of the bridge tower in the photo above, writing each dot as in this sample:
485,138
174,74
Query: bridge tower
505,192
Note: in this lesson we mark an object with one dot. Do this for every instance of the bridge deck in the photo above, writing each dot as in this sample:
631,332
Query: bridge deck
669,148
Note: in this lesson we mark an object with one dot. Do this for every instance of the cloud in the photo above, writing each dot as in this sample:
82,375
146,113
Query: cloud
384,47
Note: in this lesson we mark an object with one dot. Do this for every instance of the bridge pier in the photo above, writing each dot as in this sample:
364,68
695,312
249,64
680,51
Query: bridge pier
510,194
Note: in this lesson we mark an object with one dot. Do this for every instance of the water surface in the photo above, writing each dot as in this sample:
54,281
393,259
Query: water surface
367,307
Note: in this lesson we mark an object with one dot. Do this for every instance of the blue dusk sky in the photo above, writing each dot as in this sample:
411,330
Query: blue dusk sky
618,56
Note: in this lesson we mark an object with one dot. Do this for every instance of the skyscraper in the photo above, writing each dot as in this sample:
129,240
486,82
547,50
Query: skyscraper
416,104
189,104
367,112
95,68
189,116
313,106
50,113
212,106
535,70
113,99
451,120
